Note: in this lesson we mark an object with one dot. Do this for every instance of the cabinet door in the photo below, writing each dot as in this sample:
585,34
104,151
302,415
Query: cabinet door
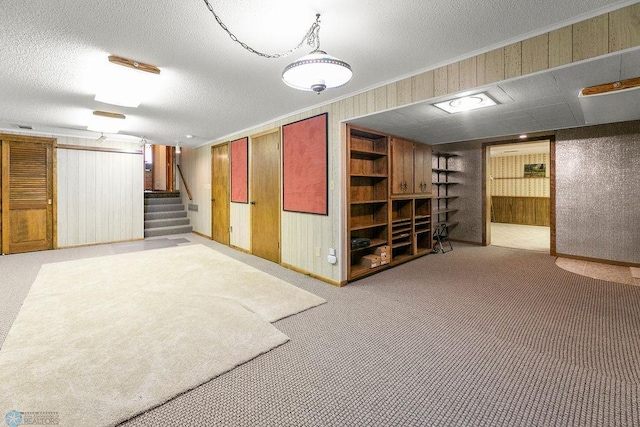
422,168
402,166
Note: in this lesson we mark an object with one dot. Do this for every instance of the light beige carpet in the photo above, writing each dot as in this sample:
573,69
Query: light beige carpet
100,340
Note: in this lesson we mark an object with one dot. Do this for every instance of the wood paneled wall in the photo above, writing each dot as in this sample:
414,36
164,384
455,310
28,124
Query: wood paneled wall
521,210
302,233
100,194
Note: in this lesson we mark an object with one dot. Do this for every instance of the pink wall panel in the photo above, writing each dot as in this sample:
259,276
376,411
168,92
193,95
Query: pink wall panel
239,171
305,165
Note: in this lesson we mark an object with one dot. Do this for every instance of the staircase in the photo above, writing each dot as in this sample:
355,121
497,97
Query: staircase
164,214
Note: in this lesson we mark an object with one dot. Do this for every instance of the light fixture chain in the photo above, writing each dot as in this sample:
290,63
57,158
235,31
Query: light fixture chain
312,37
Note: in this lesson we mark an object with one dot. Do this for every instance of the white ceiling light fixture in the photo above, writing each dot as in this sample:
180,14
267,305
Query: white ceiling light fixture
611,102
126,82
177,147
315,72
466,103
105,122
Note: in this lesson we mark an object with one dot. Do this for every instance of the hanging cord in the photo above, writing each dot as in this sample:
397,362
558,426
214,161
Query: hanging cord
312,37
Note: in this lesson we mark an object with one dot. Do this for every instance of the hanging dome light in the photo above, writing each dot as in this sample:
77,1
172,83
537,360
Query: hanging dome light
316,72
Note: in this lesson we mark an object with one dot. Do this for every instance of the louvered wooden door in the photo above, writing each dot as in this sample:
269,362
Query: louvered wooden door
27,196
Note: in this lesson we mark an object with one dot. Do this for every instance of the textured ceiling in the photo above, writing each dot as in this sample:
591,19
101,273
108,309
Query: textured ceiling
210,87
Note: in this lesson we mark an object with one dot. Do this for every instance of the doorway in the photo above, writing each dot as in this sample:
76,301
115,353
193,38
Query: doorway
27,196
519,200
220,172
265,195
159,168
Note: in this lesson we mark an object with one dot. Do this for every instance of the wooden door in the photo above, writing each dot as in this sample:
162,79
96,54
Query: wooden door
27,194
422,168
402,166
220,171
170,156
265,196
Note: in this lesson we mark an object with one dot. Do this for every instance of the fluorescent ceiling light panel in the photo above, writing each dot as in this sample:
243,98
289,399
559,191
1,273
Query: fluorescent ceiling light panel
125,86
105,122
466,103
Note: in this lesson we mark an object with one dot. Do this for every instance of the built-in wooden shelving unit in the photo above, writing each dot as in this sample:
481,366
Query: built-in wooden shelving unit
399,225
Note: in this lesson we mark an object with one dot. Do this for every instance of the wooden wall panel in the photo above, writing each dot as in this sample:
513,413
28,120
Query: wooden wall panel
490,67
468,73
535,54
440,81
392,98
560,47
100,194
521,210
513,60
403,92
240,236
591,38
422,86
453,77
624,28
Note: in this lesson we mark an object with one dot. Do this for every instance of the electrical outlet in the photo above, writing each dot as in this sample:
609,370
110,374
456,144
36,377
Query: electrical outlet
317,251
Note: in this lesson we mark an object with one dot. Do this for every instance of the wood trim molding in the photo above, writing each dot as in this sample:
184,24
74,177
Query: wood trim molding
100,149
611,87
602,261
315,276
134,64
552,196
109,114
27,138
202,235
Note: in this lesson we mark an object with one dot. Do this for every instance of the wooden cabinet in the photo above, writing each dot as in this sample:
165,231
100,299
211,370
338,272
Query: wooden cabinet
402,166
422,168
399,226
411,167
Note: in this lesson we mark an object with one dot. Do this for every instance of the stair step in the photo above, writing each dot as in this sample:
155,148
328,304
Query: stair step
164,201
163,231
169,222
150,216
163,208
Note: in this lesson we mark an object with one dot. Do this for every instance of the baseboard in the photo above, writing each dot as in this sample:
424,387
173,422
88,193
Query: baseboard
602,261
467,242
202,235
84,245
239,249
315,276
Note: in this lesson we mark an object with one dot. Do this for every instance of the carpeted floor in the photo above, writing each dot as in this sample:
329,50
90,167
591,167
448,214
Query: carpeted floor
474,337
114,336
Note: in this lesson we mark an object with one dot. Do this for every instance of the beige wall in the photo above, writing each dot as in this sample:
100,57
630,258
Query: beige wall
100,194
508,176
302,233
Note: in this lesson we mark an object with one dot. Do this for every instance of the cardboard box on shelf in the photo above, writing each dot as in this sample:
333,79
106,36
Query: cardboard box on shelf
370,261
385,258
380,250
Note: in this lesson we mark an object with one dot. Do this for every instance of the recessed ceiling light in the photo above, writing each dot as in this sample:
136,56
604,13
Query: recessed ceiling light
523,136
189,136
466,103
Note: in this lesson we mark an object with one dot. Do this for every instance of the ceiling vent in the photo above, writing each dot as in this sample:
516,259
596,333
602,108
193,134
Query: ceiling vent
25,127
611,102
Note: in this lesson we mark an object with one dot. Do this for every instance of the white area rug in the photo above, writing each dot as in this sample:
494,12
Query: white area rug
100,340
